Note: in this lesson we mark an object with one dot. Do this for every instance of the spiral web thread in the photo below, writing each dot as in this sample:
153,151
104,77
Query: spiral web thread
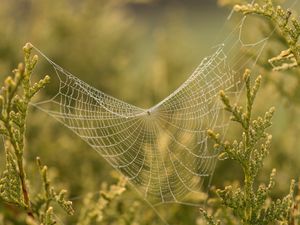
164,151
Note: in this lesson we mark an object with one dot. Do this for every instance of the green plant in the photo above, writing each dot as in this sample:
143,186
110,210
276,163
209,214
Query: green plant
16,94
93,211
287,27
284,27
250,204
58,26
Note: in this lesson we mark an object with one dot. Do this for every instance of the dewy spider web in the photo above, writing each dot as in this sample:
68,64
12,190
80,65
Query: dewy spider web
164,150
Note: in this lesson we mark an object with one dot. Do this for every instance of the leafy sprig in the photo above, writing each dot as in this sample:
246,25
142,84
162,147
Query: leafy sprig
250,204
16,94
94,211
286,25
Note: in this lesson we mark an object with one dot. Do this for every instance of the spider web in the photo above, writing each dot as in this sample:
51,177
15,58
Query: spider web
164,150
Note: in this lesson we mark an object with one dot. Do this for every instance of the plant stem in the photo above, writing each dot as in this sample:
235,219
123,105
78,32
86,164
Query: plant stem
24,187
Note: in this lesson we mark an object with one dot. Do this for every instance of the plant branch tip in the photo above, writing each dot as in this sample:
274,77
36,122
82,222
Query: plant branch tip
27,47
222,93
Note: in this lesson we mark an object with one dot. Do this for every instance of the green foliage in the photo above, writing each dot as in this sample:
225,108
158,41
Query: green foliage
251,205
94,211
118,46
287,27
49,195
13,115
16,94
209,219
284,58
123,42
10,184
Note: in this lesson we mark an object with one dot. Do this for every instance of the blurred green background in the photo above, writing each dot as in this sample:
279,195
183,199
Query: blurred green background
138,51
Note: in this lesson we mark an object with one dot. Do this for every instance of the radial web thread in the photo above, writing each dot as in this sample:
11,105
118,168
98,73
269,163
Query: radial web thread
164,151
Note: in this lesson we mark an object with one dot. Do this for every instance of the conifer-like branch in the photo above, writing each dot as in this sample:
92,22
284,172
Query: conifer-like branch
93,212
286,25
16,94
249,204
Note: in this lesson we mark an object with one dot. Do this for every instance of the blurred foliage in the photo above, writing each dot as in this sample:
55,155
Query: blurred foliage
125,48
